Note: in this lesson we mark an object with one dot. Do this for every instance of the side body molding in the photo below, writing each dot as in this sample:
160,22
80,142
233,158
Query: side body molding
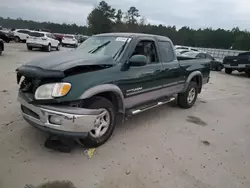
106,88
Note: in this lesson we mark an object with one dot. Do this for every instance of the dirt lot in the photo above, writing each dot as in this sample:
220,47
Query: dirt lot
206,146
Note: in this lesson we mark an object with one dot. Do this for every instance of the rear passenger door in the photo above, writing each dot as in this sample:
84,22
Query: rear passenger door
174,76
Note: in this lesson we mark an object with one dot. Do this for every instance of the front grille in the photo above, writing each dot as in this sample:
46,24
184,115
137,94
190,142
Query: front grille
29,112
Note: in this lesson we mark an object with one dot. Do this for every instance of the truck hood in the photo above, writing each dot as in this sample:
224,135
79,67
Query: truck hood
66,60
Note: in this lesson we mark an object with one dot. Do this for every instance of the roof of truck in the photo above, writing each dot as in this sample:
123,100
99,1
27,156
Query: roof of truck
134,35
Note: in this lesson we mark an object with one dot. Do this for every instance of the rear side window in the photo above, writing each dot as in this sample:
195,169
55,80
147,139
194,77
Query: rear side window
23,31
166,51
36,34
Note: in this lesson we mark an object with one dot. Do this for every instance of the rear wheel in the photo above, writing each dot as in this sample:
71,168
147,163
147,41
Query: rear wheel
1,52
58,47
29,47
228,70
48,48
187,99
104,124
248,73
17,39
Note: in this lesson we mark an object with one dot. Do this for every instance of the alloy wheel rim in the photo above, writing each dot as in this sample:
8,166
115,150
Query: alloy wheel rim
101,124
191,95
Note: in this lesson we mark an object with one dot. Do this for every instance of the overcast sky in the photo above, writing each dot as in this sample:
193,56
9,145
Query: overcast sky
193,13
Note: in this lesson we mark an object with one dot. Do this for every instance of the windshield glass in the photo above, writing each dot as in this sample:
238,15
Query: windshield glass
69,37
36,34
110,45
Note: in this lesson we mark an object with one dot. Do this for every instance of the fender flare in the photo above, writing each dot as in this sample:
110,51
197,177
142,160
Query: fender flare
106,88
190,77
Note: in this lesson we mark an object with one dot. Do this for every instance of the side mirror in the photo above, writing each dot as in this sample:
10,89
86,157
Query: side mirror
138,60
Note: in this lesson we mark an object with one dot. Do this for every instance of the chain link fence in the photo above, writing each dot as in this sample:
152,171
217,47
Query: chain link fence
220,53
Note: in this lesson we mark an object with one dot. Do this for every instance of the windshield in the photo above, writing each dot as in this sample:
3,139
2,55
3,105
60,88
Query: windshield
69,37
36,34
108,45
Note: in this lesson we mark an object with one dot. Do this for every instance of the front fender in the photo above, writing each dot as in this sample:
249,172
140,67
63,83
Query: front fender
106,88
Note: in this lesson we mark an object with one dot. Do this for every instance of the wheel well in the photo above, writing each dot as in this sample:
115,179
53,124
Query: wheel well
198,80
114,98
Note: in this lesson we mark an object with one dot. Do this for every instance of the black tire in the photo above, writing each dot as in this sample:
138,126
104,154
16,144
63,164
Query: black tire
29,47
58,47
17,39
48,48
182,98
219,68
96,103
1,52
248,73
228,70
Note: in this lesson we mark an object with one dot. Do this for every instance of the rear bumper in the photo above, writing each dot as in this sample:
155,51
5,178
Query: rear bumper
70,121
35,45
239,66
69,43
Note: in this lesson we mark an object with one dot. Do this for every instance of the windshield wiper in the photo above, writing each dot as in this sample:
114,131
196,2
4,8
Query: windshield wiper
118,53
99,47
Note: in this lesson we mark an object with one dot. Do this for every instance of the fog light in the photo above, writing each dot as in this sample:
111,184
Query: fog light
55,120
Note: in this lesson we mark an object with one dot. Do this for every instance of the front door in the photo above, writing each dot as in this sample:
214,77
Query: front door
143,83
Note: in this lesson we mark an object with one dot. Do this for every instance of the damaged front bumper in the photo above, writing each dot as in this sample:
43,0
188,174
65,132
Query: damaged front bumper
58,119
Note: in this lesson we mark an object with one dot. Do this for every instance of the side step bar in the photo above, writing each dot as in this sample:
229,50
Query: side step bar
144,108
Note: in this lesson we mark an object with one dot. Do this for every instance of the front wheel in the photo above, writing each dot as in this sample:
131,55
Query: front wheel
187,99
104,124
228,70
248,73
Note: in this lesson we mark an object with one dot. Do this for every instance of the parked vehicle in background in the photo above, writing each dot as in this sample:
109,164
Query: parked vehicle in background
216,64
6,37
21,35
177,47
181,51
81,92
1,46
69,40
81,38
43,40
59,36
241,63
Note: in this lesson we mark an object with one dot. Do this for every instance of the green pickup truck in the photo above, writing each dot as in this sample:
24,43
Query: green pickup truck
81,93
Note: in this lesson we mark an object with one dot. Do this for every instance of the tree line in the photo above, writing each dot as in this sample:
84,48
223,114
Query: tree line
104,18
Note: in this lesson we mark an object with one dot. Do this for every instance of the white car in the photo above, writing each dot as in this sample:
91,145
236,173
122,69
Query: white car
69,40
177,47
43,40
21,35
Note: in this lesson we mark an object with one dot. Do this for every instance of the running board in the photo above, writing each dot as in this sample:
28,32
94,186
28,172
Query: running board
137,111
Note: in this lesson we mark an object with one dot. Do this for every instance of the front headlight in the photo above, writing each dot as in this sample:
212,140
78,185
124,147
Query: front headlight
50,91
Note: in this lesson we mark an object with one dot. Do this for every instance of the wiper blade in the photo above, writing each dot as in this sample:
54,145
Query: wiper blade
118,53
99,47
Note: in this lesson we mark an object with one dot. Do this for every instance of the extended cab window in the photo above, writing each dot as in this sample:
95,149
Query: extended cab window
166,51
147,48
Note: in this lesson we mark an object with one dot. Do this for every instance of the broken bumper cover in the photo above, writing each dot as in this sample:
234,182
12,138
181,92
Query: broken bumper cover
60,120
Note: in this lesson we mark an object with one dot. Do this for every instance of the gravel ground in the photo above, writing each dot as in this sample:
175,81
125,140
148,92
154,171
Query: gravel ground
203,147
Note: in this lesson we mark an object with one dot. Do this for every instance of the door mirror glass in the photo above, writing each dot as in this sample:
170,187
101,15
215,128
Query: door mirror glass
138,60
